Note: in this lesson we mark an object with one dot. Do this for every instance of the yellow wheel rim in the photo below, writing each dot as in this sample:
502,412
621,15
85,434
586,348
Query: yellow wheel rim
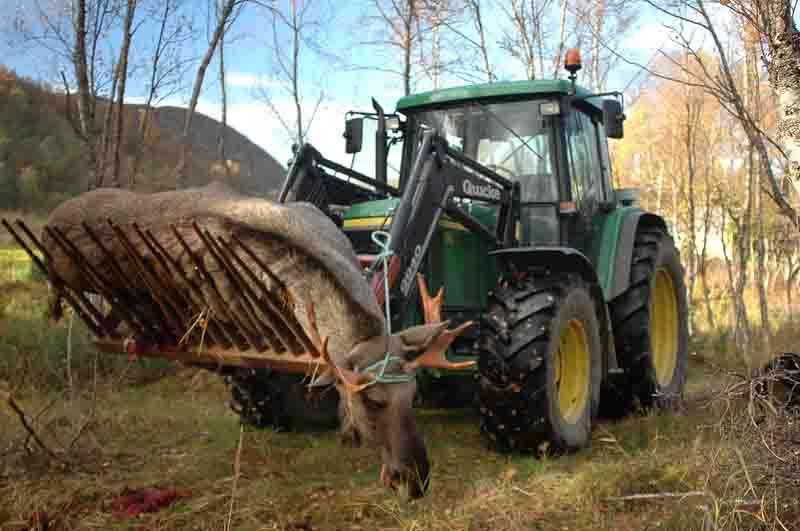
664,327
572,371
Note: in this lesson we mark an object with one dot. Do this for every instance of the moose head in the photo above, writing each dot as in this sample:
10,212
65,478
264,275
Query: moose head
376,382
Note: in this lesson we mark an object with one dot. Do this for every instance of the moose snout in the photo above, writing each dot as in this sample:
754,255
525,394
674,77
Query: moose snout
406,460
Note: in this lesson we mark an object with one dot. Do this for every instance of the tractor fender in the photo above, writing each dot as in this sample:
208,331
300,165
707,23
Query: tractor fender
620,279
564,260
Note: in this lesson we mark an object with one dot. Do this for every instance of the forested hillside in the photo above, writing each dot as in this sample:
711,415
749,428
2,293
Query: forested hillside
43,160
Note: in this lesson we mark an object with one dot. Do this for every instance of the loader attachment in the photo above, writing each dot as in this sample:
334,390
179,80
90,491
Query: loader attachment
168,310
205,276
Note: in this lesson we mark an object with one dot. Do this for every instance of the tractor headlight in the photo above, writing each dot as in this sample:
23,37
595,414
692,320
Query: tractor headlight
551,108
393,123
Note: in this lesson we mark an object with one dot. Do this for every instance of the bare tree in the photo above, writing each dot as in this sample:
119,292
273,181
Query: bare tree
295,34
476,14
460,50
225,18
85,92
73,34
166,68
774,21
122,78
604,23
401,18
720,81
562,35
525,41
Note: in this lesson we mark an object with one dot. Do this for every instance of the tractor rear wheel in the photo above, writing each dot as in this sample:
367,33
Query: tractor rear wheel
650,323
263,398
540,364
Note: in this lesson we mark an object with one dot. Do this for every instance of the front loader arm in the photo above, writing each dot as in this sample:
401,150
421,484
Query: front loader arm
438,176
320,181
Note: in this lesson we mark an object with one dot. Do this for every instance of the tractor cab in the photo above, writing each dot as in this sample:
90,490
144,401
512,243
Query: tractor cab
548,137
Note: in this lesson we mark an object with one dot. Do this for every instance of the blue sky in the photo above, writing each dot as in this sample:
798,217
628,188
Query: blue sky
345,74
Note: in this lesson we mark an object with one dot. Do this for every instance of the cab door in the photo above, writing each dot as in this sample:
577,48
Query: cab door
588,178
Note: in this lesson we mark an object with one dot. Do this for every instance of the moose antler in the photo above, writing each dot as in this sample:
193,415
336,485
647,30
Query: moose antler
352,381
434,356
431,306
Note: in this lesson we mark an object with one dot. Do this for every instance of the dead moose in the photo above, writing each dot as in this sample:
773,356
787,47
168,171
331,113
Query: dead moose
216,279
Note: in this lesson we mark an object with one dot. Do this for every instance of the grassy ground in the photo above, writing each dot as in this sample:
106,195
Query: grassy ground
178,432
112,425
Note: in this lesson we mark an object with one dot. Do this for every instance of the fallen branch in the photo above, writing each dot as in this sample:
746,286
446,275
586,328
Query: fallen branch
740,503
23,418
657,495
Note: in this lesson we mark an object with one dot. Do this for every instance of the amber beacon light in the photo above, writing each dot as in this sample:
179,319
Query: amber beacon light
572,61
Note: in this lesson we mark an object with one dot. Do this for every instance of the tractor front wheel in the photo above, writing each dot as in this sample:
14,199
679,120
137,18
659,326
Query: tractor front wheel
540,364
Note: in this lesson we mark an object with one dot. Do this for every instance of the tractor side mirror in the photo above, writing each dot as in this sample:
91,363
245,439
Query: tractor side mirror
613,118
353,135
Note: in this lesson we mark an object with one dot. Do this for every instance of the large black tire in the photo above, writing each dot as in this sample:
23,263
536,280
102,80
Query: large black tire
650,324
263,398
525,402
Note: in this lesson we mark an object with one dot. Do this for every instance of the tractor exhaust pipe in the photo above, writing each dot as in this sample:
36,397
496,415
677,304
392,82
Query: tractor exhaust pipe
381,138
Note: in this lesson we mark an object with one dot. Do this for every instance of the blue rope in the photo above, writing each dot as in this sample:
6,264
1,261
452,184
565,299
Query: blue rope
383,240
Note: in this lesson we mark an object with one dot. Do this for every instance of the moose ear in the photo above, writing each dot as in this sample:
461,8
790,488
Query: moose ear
419,337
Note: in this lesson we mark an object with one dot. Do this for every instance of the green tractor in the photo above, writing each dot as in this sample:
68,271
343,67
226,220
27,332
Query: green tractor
504,197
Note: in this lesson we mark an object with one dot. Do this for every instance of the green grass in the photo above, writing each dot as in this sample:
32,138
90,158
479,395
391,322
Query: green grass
16,266
124,425
178,432
174,433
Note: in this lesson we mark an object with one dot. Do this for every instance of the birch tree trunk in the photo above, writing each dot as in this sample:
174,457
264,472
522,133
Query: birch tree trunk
562,30
298,104
105,133
784,76
599,16
122,70
222,23
477,18
85,117
223,126
85,90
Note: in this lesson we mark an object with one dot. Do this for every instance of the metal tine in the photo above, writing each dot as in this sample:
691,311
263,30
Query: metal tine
98,282
235,278
208,278
123,279
176,303
269,306
272,276
248,330
275,305
177,300
213,326
153,284
65,290
162,315
69,293
272,339
274,320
